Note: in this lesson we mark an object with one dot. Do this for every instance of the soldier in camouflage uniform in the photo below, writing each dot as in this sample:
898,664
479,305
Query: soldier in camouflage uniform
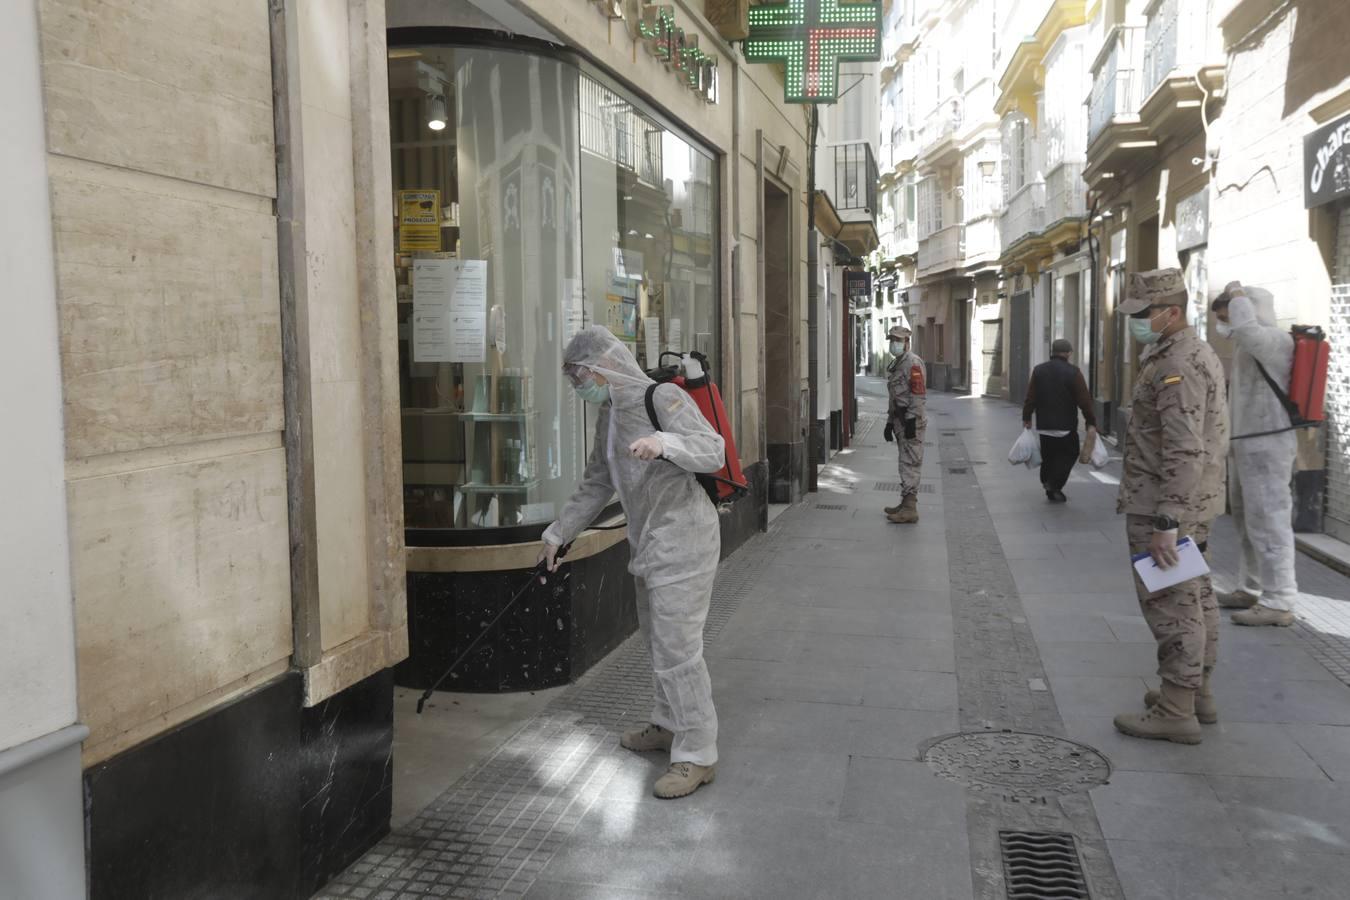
1173,485
905,422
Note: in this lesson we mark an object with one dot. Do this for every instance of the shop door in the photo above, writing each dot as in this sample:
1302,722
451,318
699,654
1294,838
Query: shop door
782,419
1338,396
1019,349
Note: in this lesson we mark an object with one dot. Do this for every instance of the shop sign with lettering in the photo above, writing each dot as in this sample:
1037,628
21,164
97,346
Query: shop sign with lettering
1326,163
811,38
666,41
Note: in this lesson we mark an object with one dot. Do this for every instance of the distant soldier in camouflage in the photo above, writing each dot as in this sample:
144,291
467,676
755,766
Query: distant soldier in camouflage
1173,484
905,422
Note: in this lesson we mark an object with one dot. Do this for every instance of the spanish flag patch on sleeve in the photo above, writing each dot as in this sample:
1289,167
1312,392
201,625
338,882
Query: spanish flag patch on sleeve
1172,379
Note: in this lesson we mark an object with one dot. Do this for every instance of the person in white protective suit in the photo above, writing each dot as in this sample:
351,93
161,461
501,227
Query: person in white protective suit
674,536
1260,458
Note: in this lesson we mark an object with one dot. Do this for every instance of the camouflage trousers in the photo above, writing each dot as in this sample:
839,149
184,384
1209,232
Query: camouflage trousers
1184,618
911,457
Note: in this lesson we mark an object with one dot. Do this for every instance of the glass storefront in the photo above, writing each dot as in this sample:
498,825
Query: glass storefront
519,222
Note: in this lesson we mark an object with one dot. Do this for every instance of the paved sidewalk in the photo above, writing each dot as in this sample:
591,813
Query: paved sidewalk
842,648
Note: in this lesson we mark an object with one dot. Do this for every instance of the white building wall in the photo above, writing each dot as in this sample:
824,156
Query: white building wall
37,642
41,808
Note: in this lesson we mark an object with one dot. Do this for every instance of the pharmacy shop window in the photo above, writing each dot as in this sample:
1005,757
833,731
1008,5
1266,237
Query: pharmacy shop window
532,198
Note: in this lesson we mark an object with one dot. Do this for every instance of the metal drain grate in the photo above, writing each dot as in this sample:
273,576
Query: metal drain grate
1041,865
834,506
895,487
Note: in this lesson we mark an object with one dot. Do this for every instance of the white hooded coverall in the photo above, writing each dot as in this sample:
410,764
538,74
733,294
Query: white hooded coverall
1260,467
672,529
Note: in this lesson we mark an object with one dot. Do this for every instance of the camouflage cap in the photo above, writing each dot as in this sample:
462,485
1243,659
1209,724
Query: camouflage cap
898,333
1161,287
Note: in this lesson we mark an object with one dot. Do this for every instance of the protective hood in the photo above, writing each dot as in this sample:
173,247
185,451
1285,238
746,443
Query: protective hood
599,350
1260,307
1253,406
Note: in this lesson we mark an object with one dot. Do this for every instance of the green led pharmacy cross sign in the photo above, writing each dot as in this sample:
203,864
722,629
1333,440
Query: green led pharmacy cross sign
811,37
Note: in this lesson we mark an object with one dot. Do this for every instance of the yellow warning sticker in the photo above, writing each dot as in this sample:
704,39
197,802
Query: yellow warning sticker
1172,379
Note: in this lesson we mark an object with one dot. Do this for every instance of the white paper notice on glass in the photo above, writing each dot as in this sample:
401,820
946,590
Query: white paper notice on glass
1190,564
431,310
651,333
675,336
468,311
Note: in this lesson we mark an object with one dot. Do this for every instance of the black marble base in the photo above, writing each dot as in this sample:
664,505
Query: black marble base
346,778
549,638
836,429
1310,501
259,798
786,468
749,515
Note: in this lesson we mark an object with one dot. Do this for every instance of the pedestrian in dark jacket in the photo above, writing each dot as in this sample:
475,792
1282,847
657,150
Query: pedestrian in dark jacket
1056,394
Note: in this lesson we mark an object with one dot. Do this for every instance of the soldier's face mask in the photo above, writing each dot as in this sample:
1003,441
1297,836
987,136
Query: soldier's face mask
1142,329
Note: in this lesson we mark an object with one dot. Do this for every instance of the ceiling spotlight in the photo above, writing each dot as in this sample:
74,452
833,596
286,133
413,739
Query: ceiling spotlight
436,113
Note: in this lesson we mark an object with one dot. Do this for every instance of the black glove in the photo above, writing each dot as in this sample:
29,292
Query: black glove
889,432
911,429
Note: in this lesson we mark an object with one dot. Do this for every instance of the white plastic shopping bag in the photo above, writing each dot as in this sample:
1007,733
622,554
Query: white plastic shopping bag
1100,455
1026,450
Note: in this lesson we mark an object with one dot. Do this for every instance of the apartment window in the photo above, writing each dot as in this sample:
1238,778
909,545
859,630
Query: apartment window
1019,154
930,207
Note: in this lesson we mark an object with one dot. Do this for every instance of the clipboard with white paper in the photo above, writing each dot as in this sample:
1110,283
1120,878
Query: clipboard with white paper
1190,564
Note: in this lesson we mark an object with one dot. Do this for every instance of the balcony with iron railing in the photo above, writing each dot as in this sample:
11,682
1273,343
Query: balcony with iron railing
855,182
1024,214
942,250
1115,80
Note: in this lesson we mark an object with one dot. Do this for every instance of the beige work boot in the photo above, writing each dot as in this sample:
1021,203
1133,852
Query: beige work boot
892,510
1235,599
908,513
1264,615
1171,718
647,737
1206,710
682,779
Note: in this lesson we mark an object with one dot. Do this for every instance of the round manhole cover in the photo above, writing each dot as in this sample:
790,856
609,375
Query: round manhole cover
1021,765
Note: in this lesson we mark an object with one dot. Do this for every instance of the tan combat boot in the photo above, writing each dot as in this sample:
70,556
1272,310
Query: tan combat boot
908,513
892,510
1206,710
1172,718
647,737
682,779
1235,599
1264,615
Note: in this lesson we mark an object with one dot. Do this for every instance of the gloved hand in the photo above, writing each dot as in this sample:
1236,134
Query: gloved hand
549,556
889,432
647,448
1234,289
911,429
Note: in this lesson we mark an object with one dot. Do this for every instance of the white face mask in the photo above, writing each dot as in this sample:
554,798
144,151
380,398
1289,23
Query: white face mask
1224,329
897,348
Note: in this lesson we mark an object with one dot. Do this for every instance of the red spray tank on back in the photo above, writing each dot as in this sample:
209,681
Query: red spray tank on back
692,376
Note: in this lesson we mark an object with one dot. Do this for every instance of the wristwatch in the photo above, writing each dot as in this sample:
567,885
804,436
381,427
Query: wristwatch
1165,523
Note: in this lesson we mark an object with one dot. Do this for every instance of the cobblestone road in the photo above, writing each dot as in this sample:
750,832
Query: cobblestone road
842,647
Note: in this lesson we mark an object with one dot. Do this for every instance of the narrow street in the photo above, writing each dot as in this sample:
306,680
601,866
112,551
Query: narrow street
843,648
